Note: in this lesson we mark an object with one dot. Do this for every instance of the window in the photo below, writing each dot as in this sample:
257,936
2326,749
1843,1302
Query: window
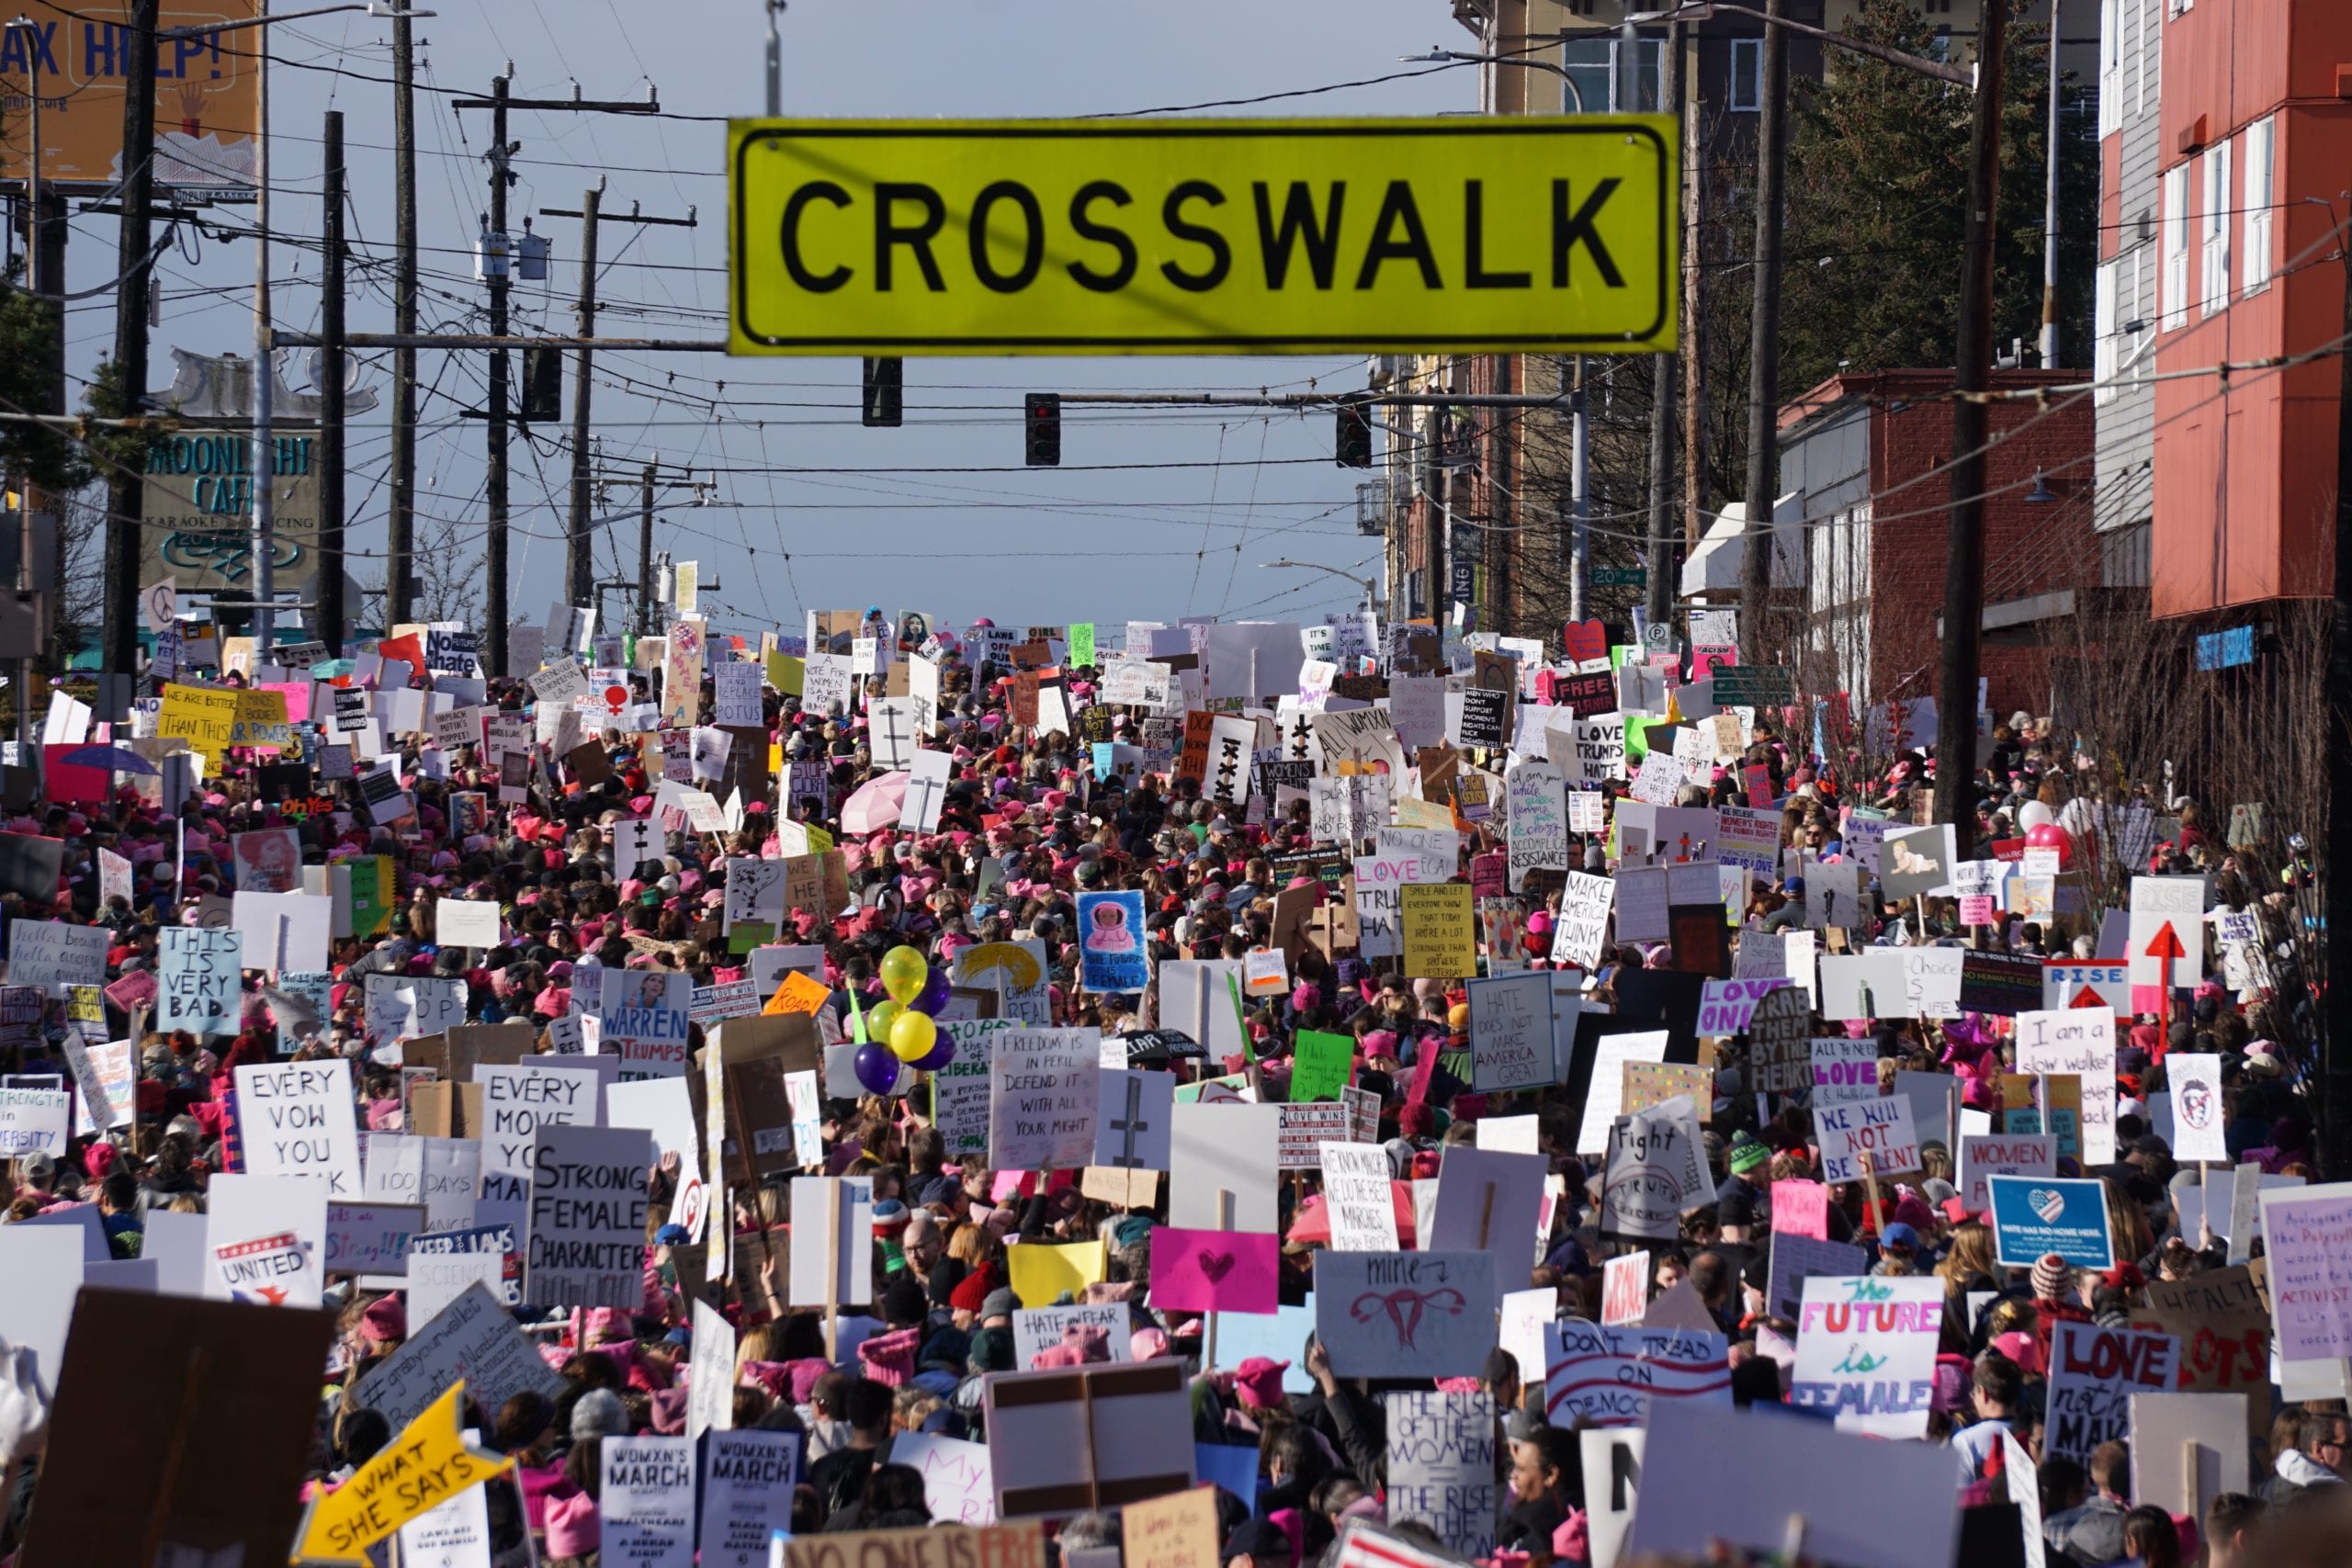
1592,63
2174,233
2261,147
2110,68
2104,330
1747,74
1935,7
2213,265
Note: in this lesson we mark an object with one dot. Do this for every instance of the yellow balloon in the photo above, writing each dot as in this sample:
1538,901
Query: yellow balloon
879,1019
913,1035
904,974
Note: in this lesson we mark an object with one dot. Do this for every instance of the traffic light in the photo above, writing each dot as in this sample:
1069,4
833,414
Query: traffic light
1041,419
1353,449
885,388
542,386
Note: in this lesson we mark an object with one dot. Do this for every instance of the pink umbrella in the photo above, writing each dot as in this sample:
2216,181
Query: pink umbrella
875,805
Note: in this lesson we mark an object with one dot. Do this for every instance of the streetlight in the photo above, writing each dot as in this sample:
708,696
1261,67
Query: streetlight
1972,367
1371,592
1437,56
263,577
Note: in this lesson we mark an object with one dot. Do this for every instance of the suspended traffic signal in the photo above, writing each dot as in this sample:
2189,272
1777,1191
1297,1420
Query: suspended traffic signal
1041,419
885,402
542,386
1354,447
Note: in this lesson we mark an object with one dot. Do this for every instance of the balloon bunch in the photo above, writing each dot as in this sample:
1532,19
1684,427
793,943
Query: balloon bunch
900,1032
2043,831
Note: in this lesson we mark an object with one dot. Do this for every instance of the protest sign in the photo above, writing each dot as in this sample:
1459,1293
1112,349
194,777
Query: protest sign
2223,1328
645,1504
1780,1043
1223,1152
1063,1441
1112,943
2207,1431
1611,1463
472,1337
1214,1270
956,1477
1405,1314
1177,1531
50,952
1653,1083
2034,1216
746,1492
1510,1031
1582,922
2001,1154
1798,1258
1357,1197
1041,1328
1655,1170
1132,1123
451,1534
1018,1545
1844,1069
200,980
1442,1465
1440,928
1610,1377
1882,1129
36,1121
2094,1372
1866,1351
1322,1063
1301,1130
2307,1243
427,1463
1535,798
370,1238
1624,1289
2079,1041
588,1204
642,1016
831,1266
2196,1081
1044,1095
1726,1007
1604,1096
296,1120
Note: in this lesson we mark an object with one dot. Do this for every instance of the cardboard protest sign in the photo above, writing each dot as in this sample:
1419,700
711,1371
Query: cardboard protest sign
472,1337
2001,1154
2223,1327
1177,1531
2307,1244
1510,1031
1357,1197
1738,1478
1064,1441
1622,1377
1487,1199
267,1237
35,1120
1866,1351
1442,1465
370,1238
1655,1169
1045,1093
1780,1043
1405,1314
1132,1124
2034,1216
645,1504
200,980
427,1462
1440,930
2079,1041
832,1262
1197,1270
746,1492
1224,1149
1604,1096
52,953
159,1384
1612,1475
957,1486
296,1120
2094,1372
2207,1431
1881,1129
588,1206
1039,1273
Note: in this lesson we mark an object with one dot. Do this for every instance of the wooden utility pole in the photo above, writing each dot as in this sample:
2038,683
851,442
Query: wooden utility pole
326,586
1764,340
579,572
400,564
1659,599
126,490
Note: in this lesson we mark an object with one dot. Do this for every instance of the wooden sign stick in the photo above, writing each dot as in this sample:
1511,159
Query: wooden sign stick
1869,1188
1224,1222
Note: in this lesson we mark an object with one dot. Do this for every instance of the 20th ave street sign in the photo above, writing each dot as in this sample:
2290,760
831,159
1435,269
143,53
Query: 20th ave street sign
1201,236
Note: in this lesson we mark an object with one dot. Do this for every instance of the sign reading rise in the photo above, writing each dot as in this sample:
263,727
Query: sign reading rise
1192,236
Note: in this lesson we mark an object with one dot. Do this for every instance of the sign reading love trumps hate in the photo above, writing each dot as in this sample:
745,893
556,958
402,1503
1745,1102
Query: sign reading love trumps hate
1405,1314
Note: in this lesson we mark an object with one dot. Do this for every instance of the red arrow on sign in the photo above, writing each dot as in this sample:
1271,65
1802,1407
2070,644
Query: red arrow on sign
2165,943
2086,998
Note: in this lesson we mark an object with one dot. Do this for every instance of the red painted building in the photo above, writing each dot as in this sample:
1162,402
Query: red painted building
2255,160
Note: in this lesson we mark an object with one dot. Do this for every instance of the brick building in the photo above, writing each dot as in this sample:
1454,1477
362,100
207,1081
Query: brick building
1863,468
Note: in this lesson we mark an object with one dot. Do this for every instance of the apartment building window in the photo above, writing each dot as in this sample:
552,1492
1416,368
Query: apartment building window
2261,148
1747,74
2173,231
2213,263
1591,64
2110,67
2104,329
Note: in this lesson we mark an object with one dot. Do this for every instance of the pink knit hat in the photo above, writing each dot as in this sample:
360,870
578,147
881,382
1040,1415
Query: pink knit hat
574,1527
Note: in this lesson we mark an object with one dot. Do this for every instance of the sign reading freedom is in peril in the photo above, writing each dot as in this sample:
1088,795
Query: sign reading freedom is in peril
1191,236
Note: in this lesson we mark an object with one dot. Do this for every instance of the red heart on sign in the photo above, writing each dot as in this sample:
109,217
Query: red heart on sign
1581,640
1217,1264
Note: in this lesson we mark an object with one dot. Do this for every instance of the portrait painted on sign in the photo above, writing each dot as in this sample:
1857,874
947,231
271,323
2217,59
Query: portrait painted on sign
269,861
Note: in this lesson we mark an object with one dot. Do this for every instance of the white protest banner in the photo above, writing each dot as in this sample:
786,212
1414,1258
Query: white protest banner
2196,1081
1132,1127
267,1236
1044,1094
2094,1372
465,922
2001,1154
735,686
1441,1466
296,1120
2167,917
2081,1041
1844,1068
1357,1197
35,1120
1612,1475
710,1391
1535,796
1880,1128
642,1016
1405,1314
1510,1031
831,1270
647,1502
1379,928
2207,1430
517,1099
453,1534
586,1236
1866,1350
1041,1328
411,1007
960,1090
198,980
50,952
957,1483
746,1481
1608,1377
1655,1169
434,1279
1228,1149
1583,921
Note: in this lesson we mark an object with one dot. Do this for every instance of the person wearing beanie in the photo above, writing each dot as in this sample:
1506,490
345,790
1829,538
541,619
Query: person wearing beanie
1744,1201
970,1295
599,1412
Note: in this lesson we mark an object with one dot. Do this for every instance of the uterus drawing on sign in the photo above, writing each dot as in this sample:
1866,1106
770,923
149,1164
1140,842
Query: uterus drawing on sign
1408,1307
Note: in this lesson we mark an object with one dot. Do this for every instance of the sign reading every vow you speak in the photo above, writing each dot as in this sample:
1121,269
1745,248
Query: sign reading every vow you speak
1191,236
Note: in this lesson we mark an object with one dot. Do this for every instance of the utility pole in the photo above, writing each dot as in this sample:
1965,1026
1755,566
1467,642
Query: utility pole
2050,211
579,572
2336,1073
494,479
327,588
1579,496
400,550
264,463
1695,360
645,550
126,491
1764,340
1659,601
1971,418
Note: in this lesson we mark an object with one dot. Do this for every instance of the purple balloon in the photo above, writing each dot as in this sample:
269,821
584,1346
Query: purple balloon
934,993
938,1056
876,1069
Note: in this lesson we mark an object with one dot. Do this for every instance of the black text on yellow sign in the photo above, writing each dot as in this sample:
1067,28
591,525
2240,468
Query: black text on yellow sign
1203,236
